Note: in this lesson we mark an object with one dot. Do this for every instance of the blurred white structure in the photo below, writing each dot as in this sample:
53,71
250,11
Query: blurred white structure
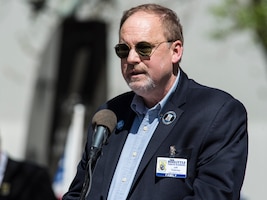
72,154
236,65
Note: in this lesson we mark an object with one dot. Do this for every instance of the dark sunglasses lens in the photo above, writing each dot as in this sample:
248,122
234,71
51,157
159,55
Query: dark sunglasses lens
143,48
122,50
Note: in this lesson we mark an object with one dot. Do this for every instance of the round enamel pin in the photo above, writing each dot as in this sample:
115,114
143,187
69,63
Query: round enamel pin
168,117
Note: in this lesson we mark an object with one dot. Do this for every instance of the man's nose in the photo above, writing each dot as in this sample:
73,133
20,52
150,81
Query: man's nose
133,56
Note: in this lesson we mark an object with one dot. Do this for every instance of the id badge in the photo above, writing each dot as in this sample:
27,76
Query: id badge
171,167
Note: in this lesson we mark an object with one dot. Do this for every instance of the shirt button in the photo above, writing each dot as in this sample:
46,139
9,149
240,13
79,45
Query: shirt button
134,154
145,128
124,179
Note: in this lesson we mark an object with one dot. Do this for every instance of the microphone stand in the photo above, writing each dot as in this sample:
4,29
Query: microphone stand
94,154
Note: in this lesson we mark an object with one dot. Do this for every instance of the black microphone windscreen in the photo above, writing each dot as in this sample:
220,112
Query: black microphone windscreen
105,118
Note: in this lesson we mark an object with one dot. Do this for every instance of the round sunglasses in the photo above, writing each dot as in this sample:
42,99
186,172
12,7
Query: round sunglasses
144,49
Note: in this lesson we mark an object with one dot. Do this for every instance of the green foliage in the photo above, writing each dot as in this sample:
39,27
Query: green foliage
240,15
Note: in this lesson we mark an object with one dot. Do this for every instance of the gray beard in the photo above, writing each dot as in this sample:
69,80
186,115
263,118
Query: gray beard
143,89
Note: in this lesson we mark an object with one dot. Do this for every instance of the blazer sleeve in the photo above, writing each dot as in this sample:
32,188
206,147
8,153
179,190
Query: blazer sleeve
222,158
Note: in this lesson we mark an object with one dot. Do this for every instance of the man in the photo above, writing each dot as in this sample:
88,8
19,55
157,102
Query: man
175,139
22,180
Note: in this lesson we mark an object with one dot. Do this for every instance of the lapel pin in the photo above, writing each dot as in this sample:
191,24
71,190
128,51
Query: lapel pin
5,189
120,125
168,117
172,151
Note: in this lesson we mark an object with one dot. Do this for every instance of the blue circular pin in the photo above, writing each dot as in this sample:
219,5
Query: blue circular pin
120,125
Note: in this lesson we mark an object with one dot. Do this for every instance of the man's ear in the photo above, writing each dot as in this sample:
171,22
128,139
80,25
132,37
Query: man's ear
177,48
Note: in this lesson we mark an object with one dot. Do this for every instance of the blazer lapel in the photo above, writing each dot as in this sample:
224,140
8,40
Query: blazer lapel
164,129
161,132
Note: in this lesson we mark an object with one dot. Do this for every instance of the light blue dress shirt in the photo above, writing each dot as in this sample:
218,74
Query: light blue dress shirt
144,125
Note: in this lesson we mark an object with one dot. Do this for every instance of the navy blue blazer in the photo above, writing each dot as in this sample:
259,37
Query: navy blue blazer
210,131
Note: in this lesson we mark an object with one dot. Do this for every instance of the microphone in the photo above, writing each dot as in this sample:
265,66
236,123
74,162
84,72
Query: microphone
104,122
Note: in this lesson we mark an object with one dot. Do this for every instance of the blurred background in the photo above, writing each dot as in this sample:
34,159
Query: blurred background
57,65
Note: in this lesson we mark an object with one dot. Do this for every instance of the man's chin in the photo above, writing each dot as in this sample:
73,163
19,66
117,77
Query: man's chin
140,89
